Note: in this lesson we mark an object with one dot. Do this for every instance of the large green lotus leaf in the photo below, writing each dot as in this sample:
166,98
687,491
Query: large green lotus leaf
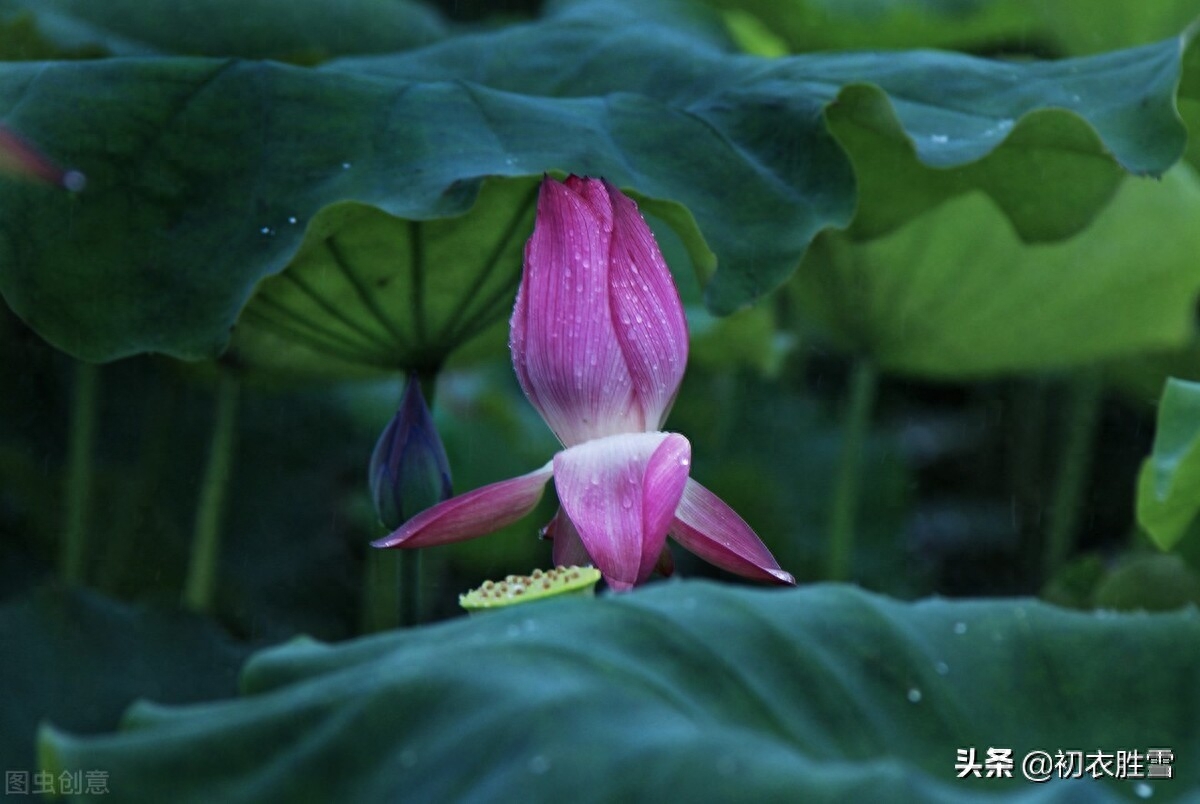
291,30
197,167
1168,497
955,293
1063,27
78,658
369,289
1039,137
689,691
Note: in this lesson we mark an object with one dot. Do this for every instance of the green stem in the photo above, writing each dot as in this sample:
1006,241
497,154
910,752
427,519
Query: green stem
864,384
393,589
410,562
80,449
1086,394
133,517
206,537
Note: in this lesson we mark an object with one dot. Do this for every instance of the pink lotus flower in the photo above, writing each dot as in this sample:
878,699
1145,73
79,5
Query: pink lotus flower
599,344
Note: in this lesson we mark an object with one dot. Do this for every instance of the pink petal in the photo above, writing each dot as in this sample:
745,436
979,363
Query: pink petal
565,351
620,492
475,513
568,549
708,527
647,313
662,487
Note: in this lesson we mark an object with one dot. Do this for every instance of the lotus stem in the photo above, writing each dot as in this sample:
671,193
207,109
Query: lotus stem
201,583
381,594
1085,395
864,385
410,569
81,442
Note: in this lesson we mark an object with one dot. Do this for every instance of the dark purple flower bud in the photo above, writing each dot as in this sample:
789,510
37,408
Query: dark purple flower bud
409,471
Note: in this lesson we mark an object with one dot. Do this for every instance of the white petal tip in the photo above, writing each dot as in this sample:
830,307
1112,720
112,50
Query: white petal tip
783,577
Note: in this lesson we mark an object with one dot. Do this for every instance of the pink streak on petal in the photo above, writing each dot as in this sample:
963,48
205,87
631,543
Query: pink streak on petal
665,477
475,513
568,549
564,349
646,310
600,487
21,157
708,527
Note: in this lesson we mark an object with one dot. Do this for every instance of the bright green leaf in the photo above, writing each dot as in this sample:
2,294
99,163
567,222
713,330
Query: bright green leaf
687,691
368,289
1168,497
1063,27
955,293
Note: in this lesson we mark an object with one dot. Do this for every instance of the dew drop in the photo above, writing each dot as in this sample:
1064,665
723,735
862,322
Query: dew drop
1143,790
292,219
626,502
74,181
345,166
960,628
939,138
267,230
942,668
914,695
539,764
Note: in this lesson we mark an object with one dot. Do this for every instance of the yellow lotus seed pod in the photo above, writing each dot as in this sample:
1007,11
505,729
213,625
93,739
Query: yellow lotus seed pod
538,585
